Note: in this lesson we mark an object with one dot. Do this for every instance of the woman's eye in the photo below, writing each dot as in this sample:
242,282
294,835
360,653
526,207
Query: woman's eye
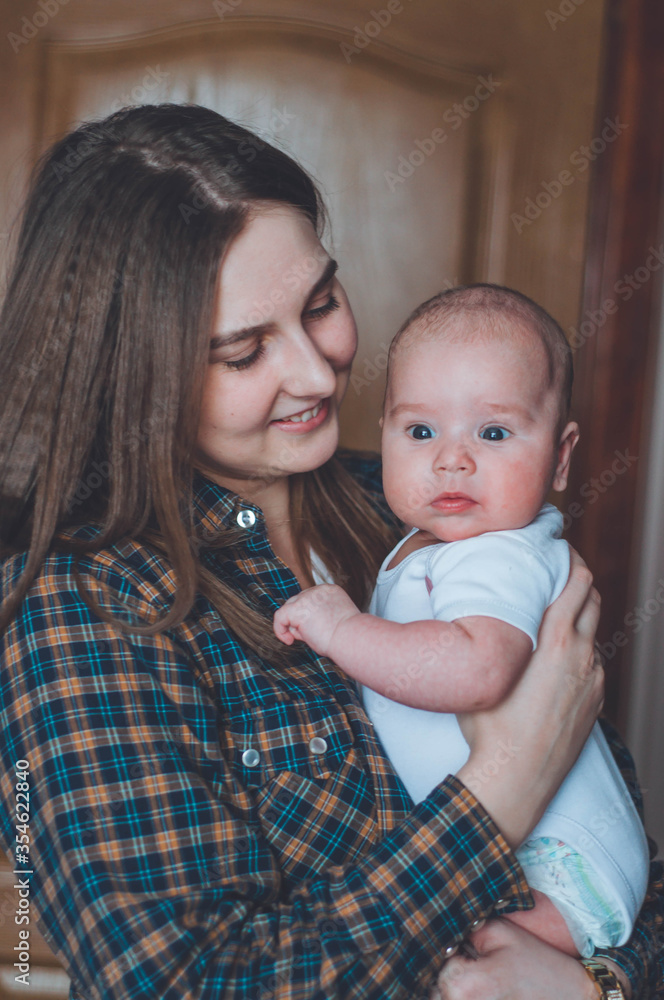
244,361
494,434
421,432
324,310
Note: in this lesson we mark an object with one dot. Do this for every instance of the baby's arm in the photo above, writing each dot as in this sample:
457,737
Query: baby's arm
458,666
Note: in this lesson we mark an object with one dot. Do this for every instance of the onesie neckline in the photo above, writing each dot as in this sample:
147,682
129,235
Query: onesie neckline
383,571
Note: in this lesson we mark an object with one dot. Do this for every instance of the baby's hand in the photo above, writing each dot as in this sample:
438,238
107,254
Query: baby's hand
314,616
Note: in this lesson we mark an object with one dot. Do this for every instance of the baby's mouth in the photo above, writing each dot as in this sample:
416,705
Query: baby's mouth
453,502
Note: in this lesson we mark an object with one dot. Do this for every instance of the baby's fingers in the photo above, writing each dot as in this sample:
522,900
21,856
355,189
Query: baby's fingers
281,626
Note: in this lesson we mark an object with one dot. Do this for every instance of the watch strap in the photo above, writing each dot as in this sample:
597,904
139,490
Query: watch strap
606,982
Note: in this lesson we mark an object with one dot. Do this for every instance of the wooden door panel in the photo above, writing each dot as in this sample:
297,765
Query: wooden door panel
403,224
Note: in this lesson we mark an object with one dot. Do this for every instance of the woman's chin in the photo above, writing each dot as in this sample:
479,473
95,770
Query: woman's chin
306,452
313,457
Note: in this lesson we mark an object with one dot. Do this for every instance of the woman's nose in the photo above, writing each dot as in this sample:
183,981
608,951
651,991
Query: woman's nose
309,372
454,456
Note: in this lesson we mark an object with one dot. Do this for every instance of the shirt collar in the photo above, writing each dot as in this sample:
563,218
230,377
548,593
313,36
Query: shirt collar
215,507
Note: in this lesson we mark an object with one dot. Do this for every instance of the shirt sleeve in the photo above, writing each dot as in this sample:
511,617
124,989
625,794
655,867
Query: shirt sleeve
152,877
642,958
496,575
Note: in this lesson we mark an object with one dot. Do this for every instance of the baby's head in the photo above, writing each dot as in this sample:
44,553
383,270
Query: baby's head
475,422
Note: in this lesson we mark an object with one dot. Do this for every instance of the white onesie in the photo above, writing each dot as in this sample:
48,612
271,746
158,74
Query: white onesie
589,852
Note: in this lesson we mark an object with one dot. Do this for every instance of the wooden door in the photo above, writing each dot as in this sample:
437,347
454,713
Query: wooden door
439,133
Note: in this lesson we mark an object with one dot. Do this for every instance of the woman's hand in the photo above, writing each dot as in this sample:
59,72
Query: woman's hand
513,965
523,748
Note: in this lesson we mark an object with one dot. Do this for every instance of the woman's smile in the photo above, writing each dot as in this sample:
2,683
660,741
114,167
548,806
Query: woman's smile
305,420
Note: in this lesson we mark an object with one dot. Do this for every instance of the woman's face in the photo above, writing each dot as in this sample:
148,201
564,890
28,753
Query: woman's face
283,343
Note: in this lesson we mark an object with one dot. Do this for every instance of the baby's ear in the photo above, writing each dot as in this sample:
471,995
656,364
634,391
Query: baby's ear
566,445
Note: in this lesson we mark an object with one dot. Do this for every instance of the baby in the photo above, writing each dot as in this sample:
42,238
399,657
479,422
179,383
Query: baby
475,434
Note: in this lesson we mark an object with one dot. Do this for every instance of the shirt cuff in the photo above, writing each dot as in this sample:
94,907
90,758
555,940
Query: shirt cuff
443,868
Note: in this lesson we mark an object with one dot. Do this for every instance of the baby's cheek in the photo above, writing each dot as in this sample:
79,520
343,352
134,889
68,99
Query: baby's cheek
392,486
407,499
410,489
396,501
523,488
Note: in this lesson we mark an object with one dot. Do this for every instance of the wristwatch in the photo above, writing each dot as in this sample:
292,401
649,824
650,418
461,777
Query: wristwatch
606,982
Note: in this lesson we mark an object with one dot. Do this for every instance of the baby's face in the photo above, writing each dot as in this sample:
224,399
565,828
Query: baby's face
468,435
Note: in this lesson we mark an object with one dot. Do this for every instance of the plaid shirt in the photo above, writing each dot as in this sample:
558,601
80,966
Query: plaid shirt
204,824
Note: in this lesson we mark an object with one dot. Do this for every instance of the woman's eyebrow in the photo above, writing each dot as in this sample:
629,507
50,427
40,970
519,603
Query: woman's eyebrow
233,338
224,340
331,269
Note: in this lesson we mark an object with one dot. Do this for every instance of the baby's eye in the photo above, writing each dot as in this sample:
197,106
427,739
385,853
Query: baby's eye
494,434
421,432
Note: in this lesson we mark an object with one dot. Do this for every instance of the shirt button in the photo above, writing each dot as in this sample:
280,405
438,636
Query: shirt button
246,519
251,758
318,745
451,950
500,904
476,924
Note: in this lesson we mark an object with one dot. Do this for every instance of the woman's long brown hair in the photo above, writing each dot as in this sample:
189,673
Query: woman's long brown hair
104,339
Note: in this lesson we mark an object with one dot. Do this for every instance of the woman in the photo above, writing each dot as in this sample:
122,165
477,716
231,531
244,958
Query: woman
209,814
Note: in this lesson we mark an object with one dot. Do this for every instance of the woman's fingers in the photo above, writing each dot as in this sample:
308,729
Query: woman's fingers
513,965
588,618
573,599
578,606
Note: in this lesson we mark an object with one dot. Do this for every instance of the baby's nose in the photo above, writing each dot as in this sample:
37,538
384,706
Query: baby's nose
454,456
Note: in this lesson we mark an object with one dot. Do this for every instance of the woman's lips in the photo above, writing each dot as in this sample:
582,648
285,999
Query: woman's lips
305,420
453,503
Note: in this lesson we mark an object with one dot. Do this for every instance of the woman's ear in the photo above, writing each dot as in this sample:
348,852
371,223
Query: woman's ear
566,446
